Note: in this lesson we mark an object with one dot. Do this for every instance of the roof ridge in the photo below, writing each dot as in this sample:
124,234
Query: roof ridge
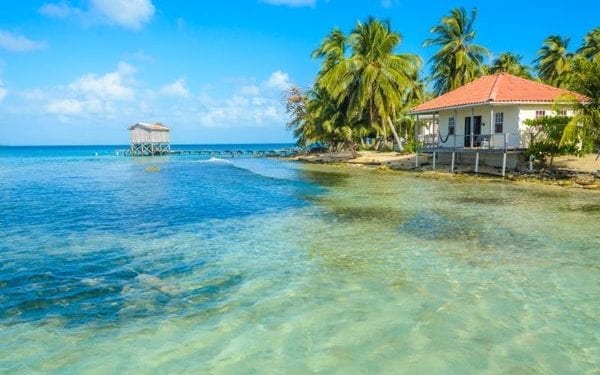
494,88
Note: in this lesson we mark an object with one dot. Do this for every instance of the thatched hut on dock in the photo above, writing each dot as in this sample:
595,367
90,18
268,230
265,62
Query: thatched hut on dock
149,139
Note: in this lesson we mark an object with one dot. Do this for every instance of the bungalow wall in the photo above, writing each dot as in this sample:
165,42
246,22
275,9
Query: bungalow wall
513,123
141,135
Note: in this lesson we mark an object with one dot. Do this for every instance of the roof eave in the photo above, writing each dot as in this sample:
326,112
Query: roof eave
477,104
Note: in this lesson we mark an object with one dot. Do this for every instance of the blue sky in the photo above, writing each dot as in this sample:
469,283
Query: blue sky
81,71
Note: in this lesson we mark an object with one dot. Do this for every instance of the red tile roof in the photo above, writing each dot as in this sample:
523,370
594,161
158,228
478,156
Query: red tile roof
496,88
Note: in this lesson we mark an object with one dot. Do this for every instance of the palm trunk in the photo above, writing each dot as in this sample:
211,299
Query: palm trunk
395,134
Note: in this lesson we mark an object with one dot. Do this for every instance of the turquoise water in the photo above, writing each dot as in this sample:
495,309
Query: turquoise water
265,266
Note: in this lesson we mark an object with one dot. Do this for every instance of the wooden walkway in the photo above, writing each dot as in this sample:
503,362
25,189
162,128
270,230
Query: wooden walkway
226,153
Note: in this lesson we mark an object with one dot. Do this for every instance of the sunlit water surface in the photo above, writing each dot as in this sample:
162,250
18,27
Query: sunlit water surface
263,266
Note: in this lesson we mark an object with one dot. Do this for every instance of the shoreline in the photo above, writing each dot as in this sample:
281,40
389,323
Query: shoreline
567,173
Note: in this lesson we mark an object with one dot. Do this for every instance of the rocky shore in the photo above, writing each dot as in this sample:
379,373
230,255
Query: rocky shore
567,171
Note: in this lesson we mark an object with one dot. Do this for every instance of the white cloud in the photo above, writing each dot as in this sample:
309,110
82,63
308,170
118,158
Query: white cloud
109,86
18,43
140,56
3,92
251,90
251,105
240,111
71,107
118,96
59,10
176,88
89,94
65,107
32,94
130,14
292,3
279,80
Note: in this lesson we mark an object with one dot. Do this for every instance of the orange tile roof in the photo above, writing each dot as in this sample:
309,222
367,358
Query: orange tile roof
495,88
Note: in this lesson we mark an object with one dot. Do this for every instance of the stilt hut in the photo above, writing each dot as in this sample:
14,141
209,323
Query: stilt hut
149,139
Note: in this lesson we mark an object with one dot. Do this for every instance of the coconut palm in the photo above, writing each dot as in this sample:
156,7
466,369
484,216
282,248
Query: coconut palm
553,61
585,125
459,60
332,50
591,45
510,63
372,81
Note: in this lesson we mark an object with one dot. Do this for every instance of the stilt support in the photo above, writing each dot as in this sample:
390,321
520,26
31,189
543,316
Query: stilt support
477,162
530,163
453,160
504,164
433,162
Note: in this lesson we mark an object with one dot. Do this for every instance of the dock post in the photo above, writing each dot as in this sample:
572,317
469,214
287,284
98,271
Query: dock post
477,162
433,164
452,165
531,163
504,164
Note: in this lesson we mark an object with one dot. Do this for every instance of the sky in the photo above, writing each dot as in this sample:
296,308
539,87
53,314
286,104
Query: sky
81,71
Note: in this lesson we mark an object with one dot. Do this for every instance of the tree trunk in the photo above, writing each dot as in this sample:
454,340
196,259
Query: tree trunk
395,134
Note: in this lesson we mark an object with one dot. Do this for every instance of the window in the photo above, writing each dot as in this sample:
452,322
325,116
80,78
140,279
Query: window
540,114
451,125
562,112
499,123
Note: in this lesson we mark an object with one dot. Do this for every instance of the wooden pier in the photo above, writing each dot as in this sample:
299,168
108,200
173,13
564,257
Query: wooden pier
222,153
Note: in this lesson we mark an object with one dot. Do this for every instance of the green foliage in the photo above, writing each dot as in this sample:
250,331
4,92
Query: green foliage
361,88
553,63
364,88
590,49
459,60
412,146
510,63
585,125
546,135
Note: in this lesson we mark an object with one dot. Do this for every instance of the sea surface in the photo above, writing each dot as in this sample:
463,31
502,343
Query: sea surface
201,265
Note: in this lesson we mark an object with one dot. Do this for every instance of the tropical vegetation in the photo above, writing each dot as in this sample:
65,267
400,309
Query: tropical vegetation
553,61
458,60
361,90
510,63
364,89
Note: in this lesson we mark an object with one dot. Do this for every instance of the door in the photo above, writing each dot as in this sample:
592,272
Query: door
467,132
477,131
476,140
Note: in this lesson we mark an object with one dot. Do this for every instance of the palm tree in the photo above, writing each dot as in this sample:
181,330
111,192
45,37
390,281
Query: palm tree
591,45
459,60
510,63
315,117
332,50
373,80
585,125
553,61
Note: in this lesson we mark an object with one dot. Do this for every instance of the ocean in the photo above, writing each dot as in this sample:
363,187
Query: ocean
200,264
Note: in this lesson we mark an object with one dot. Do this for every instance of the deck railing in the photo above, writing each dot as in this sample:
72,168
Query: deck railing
499,141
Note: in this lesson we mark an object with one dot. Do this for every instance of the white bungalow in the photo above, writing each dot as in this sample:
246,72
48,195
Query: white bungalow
489,114
149,139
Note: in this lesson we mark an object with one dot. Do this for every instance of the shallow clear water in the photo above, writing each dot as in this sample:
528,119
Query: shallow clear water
263,266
